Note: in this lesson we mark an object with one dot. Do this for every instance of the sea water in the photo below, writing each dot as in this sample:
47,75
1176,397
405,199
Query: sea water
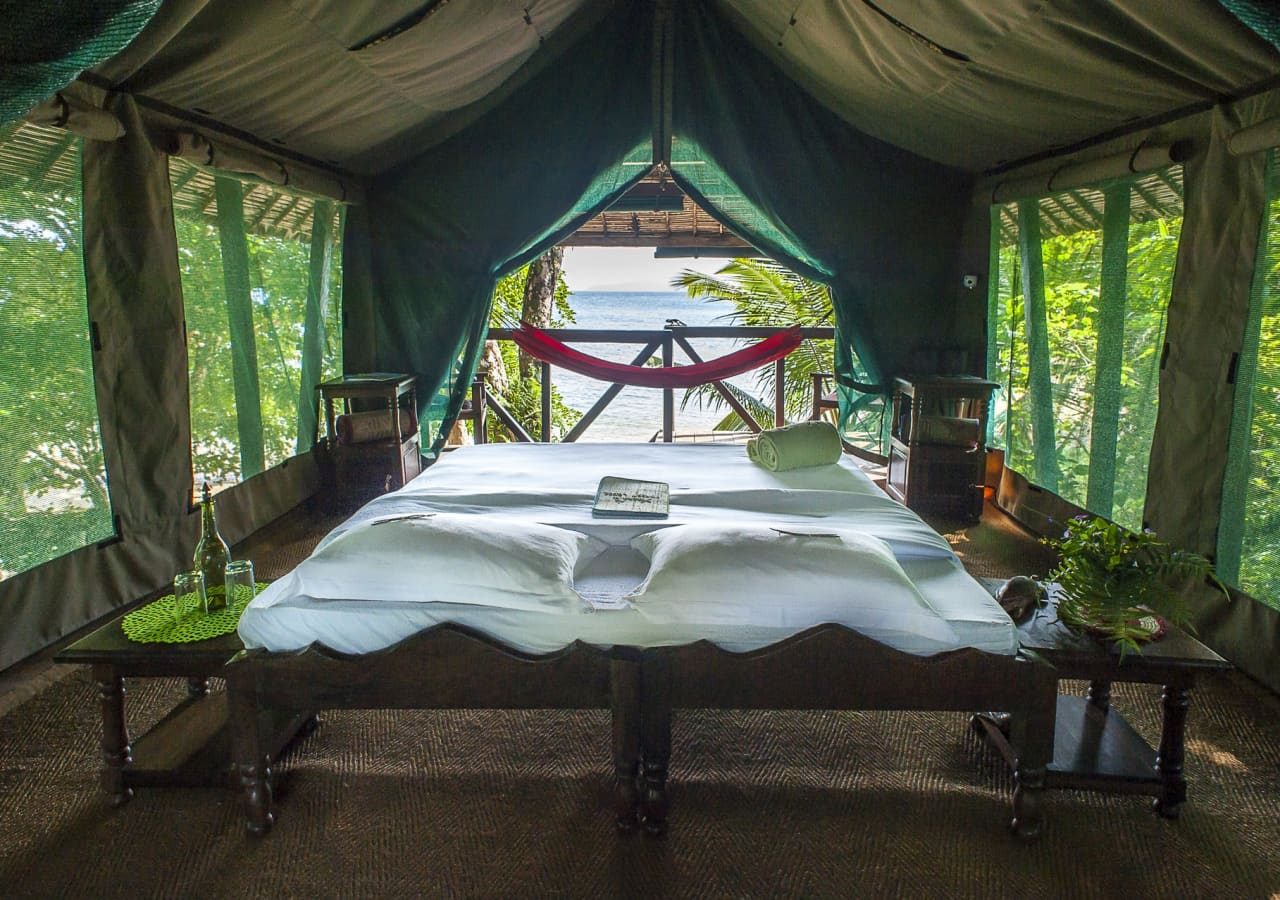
636,413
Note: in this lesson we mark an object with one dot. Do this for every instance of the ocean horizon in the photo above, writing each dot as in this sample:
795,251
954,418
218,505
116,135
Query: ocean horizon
636,413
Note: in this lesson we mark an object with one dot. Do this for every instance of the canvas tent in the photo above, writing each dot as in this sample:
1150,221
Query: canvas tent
862,143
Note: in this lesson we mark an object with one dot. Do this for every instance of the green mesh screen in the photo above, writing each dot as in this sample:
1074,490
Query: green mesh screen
45,45
53,482
716,192
1076,322
262,304
1260,15
1249,536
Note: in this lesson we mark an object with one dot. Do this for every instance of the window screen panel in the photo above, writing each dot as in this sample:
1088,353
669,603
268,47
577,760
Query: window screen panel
245,252
1098,269
1249,535
53,483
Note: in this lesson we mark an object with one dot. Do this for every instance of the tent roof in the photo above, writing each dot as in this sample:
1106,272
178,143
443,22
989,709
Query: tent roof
973,84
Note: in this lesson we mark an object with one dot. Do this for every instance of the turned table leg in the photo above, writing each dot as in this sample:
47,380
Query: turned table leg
1028,818
1100,694
655,743
252,771
625,702
1169,760
197,687
116,752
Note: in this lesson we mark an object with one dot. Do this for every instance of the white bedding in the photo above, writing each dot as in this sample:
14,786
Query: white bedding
554,484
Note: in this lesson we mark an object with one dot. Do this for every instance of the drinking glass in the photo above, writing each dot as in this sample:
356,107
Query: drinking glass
189,595
239,581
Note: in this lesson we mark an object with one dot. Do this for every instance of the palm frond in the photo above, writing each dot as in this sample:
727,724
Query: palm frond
765,293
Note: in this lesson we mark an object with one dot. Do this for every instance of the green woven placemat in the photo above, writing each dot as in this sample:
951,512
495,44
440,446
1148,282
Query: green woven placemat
154,623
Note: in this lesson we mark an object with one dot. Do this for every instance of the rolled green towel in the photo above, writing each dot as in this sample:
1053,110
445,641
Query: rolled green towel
796,446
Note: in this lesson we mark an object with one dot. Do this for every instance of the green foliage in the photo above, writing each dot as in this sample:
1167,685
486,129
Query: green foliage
1073,275
1112,577
523,397
508,299
53,483
765,293
278,275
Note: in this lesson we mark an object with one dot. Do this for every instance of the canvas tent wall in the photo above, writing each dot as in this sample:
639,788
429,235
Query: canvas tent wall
859,143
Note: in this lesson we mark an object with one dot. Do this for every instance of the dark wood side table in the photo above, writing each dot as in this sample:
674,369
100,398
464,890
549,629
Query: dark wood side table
190,746
1094,747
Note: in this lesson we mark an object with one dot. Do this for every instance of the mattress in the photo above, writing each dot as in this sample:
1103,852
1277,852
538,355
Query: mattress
554,484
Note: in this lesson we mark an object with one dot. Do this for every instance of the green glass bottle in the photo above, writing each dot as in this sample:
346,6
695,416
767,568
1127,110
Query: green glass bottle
211,553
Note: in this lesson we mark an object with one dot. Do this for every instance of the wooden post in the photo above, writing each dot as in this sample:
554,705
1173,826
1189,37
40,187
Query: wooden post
668,395
780,392
818,379
478,403
546,401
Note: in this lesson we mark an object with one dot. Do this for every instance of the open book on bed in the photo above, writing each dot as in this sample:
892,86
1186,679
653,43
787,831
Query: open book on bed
629,498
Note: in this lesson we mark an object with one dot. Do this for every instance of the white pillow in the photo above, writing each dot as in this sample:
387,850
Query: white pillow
788,578
451,558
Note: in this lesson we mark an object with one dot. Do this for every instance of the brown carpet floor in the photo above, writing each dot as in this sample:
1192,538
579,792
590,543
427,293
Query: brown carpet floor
501,804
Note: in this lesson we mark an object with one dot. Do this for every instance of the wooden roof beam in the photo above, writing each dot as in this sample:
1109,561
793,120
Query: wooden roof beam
1076,217
615,239
1047,216
1169,182
1151,199
46,163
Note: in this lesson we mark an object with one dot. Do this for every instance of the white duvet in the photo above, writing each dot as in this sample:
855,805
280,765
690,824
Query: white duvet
553,485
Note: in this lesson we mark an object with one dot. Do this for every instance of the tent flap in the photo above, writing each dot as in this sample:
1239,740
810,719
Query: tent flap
880,224
446,225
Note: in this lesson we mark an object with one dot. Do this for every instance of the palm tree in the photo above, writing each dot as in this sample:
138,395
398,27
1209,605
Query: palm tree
765,293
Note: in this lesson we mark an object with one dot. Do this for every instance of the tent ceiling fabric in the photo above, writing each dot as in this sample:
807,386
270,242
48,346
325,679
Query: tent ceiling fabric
1039,75
286,73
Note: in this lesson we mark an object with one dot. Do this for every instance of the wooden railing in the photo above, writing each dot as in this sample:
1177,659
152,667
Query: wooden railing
661,343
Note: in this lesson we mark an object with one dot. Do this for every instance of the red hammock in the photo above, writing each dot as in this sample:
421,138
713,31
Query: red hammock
537,343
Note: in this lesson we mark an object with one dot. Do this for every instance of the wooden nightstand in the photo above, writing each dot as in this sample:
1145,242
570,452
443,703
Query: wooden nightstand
366,469
937,443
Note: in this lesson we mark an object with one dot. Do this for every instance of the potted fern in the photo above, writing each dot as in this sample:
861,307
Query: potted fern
1121,585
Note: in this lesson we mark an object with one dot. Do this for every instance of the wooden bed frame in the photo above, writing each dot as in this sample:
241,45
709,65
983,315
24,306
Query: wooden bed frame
832,667
444,667
826,667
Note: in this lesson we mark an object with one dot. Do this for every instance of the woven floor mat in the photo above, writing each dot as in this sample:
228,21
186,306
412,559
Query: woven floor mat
483,803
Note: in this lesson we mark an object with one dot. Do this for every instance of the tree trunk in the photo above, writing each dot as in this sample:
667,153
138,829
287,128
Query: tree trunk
496,377
539,296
